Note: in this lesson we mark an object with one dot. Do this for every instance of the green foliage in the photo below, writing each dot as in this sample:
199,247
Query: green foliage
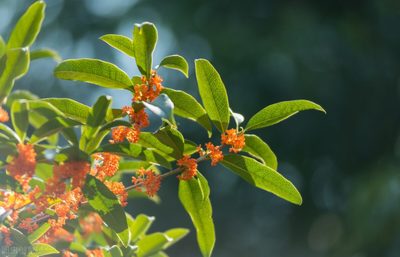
195,198
256,147
144,42
176,62
45,53
121,43
213,94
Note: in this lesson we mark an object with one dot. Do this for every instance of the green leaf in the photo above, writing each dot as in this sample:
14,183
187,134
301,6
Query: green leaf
8,182
263,177
45,53
186,106
144,42
159,254
51,127
42,250
213,94
19,117
256,147
194,196
71,109
176,234
115,251
9,132
18,95
140,226
16,63
167,140
190,147
35,235
93,71
278,112
2,47
176,62
20,243
28,26
151,244
121,43
106,204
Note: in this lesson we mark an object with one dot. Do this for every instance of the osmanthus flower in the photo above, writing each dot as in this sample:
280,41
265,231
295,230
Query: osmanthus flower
215,153
6,234
120,133
106,165
150,88
138,118
56,233
233,138
91,223
189,166
3,115
28,225
94,253
148,180
119,190
22,167
67,253
76,170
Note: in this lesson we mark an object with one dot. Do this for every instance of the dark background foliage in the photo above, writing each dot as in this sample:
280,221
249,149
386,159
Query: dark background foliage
344,55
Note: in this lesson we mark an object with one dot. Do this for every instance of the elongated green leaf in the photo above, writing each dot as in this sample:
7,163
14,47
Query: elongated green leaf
20,240
136,151
9,132
45,53
176,62
167,140
35,235
140,226
121,43
278,112
263,177
19,117
8,182
115,251
2,47
256,147
106,204
187,106
16,63
176,234
151,244
194,196
71,109
42,250
18,95
213,94
93,71
144,42
28,26
51,127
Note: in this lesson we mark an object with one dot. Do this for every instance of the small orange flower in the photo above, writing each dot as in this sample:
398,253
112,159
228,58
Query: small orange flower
148,180
149,90
94,253
22,167
67,253
3,115
232,138
28,225
5,232
107,165
119,190
137,118
119,134
90,224
76,170
189,166
215,153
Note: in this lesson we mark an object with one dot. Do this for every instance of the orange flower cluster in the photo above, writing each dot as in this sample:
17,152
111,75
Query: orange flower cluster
107,165
28,225
119,190
149,90
233,138
5,232
215,153
12,201
76,170
22,167
189,166
56,233
137,118
94,253
67,253
118,134
148,180
3,115
90,224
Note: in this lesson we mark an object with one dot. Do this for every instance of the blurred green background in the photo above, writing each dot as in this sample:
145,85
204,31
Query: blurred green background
344,55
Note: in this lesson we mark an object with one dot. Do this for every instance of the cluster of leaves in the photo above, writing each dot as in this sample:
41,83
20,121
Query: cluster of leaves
42,123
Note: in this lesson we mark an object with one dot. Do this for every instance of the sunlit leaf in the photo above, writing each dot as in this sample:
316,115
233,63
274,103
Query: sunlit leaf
176,234
35,235
19,117
213,94
176,62
256,147
151,244
119,42
144,42
140,226
263,177
45,53
167,140
40,249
